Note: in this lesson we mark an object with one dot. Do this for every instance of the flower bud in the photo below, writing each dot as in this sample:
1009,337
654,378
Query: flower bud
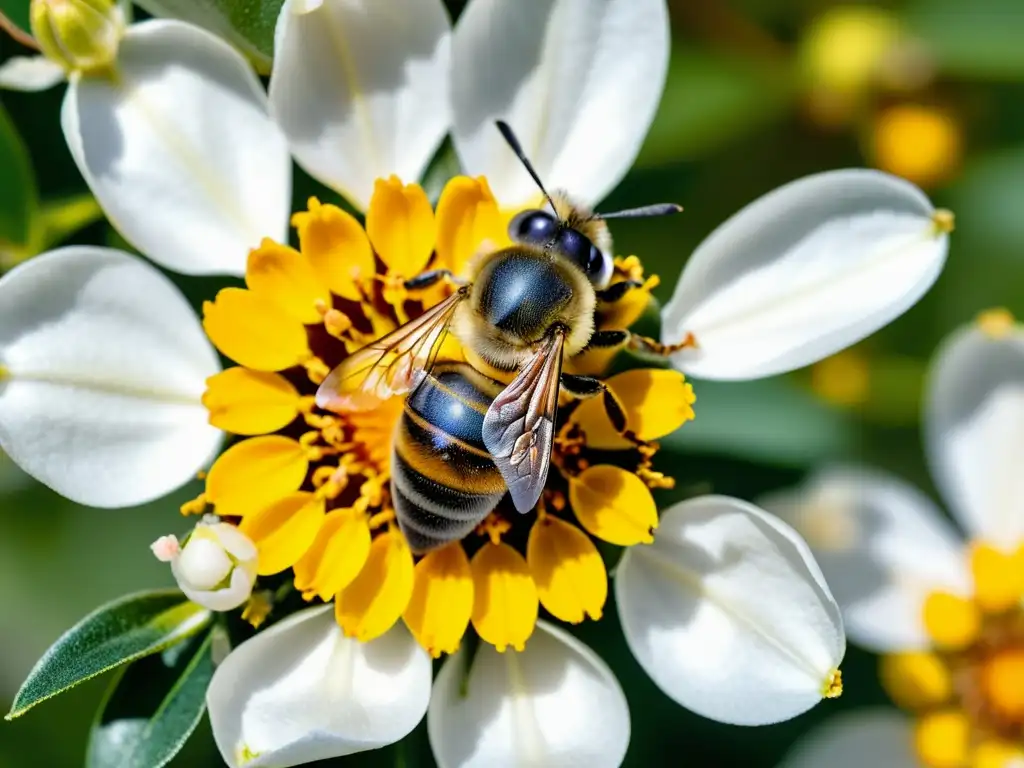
215,566
80,35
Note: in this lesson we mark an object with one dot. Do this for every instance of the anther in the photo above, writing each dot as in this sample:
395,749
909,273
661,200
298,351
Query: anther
943,221
381,518
196,506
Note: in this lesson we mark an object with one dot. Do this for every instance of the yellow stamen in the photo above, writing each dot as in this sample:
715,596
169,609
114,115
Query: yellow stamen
248,402
285,277
916,679
254,473
504,597
257,608
376,598
998,578
952,621
943,221
284,530
335,557
400,223
996,323
336,246
613,505
196,506
1003,681
942,739
254,331
656,402
833,685
467,218
442,600
568,570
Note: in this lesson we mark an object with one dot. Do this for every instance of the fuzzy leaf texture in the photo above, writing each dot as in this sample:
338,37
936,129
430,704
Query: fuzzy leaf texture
123,630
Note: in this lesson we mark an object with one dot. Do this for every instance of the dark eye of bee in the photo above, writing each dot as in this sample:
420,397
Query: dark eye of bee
580,250
537,227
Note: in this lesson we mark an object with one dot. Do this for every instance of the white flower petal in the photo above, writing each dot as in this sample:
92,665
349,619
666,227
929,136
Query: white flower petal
882,545
803,272
302,691
104,364
180,151
360,88
577,80
974,428
555,703
882,738
728,613
30,73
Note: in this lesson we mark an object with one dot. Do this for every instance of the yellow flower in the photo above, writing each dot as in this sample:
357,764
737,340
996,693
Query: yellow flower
312,488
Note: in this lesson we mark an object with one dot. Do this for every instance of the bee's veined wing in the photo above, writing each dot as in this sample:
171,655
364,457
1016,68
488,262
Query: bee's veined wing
519,426
392,365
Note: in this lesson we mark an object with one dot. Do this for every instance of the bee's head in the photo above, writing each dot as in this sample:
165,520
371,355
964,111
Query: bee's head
581,239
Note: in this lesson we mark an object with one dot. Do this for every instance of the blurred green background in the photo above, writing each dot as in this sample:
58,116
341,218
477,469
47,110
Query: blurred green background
759,92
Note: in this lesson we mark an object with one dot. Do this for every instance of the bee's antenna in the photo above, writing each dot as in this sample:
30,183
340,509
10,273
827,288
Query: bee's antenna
513,142
660,209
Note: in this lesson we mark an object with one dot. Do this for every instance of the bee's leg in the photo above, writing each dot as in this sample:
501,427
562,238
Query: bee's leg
584,387
616,339
616,291
429,278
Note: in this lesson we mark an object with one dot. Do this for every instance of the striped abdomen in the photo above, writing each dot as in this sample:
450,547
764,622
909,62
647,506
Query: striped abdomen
443,481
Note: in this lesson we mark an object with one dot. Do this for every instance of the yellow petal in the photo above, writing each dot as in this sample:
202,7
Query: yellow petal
400,223
953,622
504,597
253,331
284,530
613,505
254,473
336,246
942,739
285,277
998,578
567,569
991,753
249,402
467,217
373,602
656,401
442,600
1002,679
916,679
336,556
627,310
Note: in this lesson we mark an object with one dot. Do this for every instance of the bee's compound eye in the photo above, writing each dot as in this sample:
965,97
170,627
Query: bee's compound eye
538,227
580,250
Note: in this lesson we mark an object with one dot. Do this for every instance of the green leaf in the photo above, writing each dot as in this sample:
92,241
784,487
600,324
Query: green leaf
712,99
770,421
19,200
980,38
152,707
121,631
246,24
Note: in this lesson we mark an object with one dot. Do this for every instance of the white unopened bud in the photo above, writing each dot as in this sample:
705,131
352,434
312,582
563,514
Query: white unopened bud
80,35
215,567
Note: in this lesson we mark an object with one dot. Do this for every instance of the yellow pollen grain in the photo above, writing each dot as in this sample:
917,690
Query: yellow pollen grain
833,686
942,739
953,622
996,323
916,679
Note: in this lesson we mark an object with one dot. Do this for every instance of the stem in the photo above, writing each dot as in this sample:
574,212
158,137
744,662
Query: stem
17,33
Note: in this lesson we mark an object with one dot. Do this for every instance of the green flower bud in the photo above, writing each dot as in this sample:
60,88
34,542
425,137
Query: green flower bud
80,35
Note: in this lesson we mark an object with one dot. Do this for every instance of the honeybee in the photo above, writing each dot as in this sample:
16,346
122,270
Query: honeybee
465,438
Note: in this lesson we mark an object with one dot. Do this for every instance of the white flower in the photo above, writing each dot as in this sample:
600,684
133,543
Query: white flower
946,609
169,127
215,567
302,691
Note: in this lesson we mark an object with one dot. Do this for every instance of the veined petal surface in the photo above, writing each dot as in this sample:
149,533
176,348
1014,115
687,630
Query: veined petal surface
803,272
882,545
876,737
103,368
179,149
729,614
554,703
360,88
974,430
577,80
302,691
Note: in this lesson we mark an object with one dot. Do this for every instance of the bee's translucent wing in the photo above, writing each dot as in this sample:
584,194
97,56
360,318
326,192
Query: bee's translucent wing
519,426
392,365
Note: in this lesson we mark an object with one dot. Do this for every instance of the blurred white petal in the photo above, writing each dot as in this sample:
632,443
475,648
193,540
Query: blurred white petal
360,88
868,737
555,703
302,691
882,545
104,364
728,613
215,554
578,80
974,427
180,151
803,272
30,73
